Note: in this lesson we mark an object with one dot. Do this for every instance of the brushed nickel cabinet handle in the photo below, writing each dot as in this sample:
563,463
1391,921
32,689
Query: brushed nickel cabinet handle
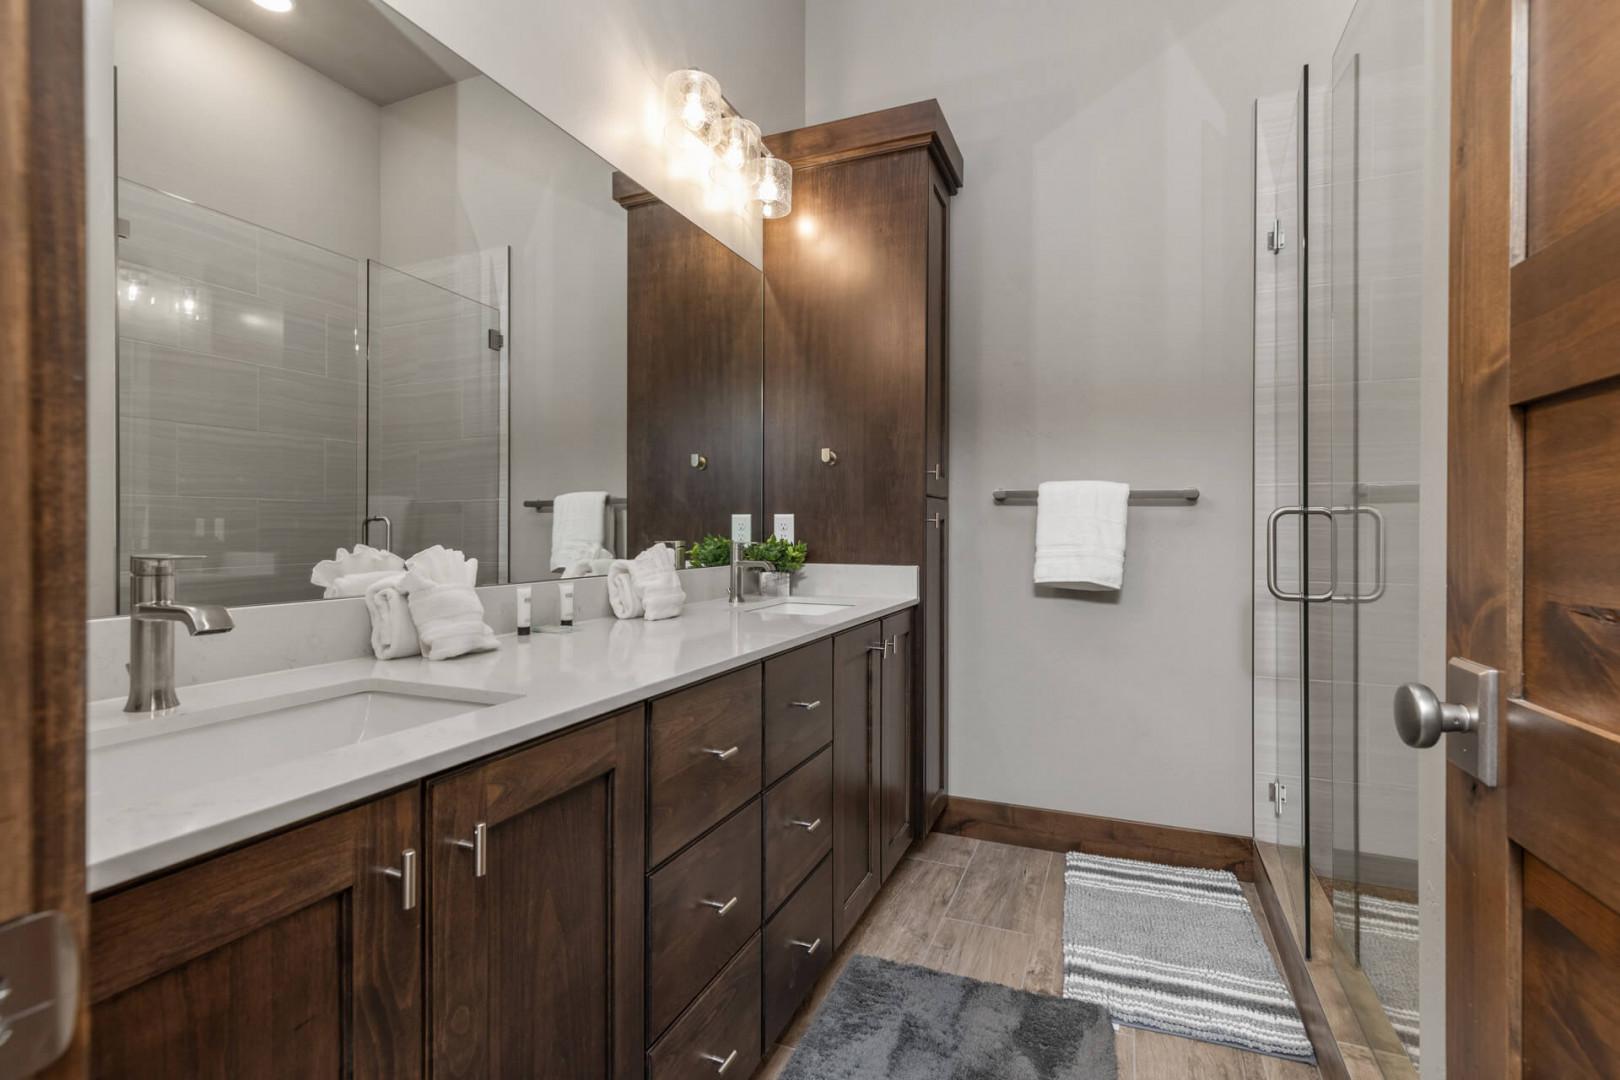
725,1062
479,846
406,876
807,826
806,705
829,456
809,947
721,754
937,472
936,520
720,910
879,646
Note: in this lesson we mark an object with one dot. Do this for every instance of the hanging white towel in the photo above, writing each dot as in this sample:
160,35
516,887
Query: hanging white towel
1080,534
577,528
393,631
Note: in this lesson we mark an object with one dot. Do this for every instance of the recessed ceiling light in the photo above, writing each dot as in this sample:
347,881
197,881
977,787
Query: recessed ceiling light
279,6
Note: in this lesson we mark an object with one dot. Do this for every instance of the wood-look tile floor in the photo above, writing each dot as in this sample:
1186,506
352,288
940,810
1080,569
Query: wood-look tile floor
995,912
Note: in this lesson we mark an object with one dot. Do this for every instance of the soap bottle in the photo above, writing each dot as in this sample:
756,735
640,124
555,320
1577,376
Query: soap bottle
525,604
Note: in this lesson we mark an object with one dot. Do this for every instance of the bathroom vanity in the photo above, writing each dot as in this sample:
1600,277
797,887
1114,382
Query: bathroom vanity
633,856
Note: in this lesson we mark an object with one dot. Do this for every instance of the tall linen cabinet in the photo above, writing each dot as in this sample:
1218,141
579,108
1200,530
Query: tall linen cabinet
857,289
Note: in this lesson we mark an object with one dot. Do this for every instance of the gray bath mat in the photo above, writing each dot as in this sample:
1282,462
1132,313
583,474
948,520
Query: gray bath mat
1389,956
1175,950
888,1021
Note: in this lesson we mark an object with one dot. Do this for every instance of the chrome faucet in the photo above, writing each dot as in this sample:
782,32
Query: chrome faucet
739,567
153,612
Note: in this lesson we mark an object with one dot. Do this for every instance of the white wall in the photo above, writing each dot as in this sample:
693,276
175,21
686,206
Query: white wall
597,70
470,167
1100,327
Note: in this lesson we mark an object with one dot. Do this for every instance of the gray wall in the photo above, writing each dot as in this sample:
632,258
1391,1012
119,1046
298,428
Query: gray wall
1100,327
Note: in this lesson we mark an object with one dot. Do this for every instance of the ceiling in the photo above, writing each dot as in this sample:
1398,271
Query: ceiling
360,44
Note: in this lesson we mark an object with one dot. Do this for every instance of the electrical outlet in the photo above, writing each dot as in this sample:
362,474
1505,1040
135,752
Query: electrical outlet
742,527
784,527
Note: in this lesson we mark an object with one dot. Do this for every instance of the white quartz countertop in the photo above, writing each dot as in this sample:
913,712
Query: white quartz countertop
545,683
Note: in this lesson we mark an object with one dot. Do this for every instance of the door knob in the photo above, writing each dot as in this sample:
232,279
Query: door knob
1421,717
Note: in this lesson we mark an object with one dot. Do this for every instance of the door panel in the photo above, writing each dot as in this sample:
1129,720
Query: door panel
898,747
932,719
936,426
857,747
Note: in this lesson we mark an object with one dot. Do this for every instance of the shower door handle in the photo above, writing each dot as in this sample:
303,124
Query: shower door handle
1377,516
1302,597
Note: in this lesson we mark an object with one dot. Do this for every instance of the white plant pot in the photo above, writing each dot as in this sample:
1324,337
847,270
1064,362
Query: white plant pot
775,583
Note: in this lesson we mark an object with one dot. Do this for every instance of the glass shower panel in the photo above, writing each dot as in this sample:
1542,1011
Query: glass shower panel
436,441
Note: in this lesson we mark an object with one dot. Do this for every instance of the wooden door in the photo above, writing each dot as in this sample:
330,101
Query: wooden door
895,794
857,702
1533,878
293,956
932,670
42,455
845,319
535,941
936,425
695,362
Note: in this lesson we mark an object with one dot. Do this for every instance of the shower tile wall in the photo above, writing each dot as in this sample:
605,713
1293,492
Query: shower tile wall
239,402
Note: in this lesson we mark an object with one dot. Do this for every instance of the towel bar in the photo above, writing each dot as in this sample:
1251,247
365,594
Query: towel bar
1021,496
546,505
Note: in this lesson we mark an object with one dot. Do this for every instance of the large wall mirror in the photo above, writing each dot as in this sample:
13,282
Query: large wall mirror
367,295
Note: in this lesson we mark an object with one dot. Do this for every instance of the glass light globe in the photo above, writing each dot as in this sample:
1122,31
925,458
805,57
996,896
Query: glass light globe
773,186
692,100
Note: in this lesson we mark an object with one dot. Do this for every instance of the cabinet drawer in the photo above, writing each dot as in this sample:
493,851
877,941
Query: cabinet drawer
798,707
704,758
798,826
798,948
723,1022
700,908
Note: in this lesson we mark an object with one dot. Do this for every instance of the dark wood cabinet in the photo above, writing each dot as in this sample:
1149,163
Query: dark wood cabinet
857,360
693,377
895,799
293,956
535,870
857,858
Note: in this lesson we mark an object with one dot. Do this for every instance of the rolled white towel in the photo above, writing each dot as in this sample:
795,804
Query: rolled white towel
393,631
656,583
359,584
449,618
364,559
622,594
443,566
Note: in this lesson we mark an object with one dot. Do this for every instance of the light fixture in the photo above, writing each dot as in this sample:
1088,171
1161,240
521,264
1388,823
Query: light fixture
280,7
692,100
773,186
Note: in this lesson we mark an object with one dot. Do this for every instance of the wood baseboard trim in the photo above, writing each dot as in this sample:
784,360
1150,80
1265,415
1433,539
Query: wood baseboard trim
1329,1059
1059,830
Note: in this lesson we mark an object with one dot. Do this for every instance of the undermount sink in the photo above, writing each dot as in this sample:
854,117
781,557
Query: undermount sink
800,607
195,746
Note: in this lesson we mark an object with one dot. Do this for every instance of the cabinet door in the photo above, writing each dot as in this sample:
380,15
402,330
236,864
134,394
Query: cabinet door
857,701
293,956
898,747
535,928
931,714
936,424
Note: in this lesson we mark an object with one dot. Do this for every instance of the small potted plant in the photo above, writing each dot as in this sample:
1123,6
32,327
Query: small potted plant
712,550
788,558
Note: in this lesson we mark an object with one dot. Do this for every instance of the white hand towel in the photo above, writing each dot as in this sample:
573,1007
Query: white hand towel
1080,534
576,527
358,584
622,595
444,605
596,564
393,631
656,583
362,560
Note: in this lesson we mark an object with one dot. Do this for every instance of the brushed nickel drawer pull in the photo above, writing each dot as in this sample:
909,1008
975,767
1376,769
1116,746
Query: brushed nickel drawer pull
879,646
937,472
725,1062
807,826
721,754
809,947
479,846
806,705
406,875
720,909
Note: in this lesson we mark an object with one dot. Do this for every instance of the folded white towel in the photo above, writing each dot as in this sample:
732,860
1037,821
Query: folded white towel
1080,534
445,607
393,631
357,584
576,527
622,594
362,560
656,583
595,564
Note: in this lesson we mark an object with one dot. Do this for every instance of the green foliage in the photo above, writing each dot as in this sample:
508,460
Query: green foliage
712,550
779,553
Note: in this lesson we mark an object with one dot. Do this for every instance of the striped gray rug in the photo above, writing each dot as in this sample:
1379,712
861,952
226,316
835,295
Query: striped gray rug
1389,956
1175,950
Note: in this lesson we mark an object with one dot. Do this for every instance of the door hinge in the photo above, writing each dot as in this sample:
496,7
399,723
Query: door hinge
497,340
122,230
1277,792
1275,240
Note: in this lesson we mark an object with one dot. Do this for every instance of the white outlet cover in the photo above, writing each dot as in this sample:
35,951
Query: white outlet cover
784,527
742,528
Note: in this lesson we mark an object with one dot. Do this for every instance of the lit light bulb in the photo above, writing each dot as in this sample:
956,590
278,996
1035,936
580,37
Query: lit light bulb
692,112
132,291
